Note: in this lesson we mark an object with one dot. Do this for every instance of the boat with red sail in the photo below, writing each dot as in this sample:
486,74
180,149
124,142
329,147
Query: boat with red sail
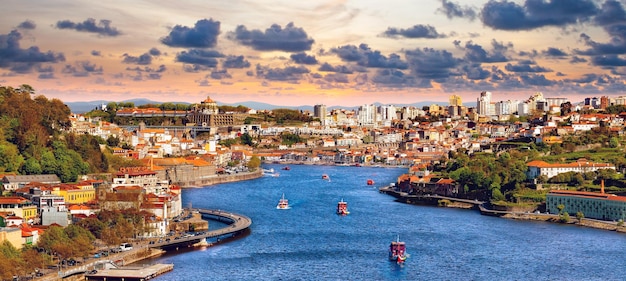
397,251
342,208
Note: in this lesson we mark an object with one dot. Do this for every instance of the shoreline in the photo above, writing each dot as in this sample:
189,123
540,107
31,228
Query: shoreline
529,216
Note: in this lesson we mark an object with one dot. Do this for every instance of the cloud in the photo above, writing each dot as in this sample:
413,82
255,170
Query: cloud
202,35
364,56
220,74
576,59
537,80
417,31
392,77
19,60
475,72
27,24
505,15
454,10
289,73
206,58
303,58
326,67
89,25
46,72
275,38
554,52
608,61
433,64
525,66
611,12
82,69
160,69
586,78
144,59
235,62
154,52
616,45
336,78
476,53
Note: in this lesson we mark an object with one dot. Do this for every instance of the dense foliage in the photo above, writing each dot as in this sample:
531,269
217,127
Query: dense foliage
34,138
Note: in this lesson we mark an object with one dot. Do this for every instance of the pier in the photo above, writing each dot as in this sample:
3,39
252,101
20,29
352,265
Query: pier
129,273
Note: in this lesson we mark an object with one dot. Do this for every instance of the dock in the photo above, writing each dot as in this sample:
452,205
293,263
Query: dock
129,273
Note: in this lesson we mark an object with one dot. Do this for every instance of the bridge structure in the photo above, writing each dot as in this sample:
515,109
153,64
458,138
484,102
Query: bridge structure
237,224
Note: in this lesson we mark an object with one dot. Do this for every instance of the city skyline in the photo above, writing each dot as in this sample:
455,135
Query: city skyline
287,53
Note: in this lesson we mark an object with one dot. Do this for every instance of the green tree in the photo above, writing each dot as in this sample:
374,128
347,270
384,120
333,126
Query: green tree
497,195
580,216
31,167
254,163
10,158
246,139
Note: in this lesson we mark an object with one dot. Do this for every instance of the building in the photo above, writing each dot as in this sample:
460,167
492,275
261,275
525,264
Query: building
540,168
602,206
319,111
367,115
19,206
483,103
456,100
13,235
13,182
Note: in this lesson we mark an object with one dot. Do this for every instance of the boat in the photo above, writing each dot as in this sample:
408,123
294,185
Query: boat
370,182
325,177
397,251
270,173
283,203
342,208
286,168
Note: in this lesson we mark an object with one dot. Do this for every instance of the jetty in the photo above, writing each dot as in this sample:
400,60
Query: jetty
129,273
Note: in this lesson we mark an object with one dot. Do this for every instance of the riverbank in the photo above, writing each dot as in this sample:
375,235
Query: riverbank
219,178
450,202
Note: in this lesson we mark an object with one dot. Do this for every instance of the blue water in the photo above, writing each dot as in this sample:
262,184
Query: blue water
311,242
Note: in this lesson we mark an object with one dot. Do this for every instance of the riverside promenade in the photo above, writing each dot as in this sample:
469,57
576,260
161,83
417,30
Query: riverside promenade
237,224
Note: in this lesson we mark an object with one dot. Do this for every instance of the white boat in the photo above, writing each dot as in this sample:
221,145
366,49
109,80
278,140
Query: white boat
283,204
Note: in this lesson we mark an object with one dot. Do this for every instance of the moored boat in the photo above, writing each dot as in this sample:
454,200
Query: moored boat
342,208
370,182
325,177
397,251
286,168
283,203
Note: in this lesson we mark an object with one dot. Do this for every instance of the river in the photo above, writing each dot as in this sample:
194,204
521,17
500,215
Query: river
310,242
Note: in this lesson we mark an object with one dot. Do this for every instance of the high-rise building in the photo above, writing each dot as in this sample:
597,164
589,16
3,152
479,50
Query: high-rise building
604,102
483,103
319,111
455,100
388,112
367,115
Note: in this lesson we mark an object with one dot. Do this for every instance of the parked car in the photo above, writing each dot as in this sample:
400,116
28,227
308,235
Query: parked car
126,247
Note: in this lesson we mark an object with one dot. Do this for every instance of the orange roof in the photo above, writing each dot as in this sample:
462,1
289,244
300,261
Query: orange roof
586,194
13,200
579,163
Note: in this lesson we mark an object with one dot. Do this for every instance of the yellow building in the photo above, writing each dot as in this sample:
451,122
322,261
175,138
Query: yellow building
19,206
76,193
455,100
13,235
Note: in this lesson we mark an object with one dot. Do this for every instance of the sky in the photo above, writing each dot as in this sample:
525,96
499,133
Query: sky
331,52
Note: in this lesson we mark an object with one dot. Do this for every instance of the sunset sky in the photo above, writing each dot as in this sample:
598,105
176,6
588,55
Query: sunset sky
292,53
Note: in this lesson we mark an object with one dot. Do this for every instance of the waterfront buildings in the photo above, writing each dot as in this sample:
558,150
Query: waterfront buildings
602,206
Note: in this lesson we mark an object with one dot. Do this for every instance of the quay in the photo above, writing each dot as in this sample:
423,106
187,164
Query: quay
237,224
129,273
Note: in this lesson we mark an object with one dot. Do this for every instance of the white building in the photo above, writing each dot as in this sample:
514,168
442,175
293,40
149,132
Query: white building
537,168
483,103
